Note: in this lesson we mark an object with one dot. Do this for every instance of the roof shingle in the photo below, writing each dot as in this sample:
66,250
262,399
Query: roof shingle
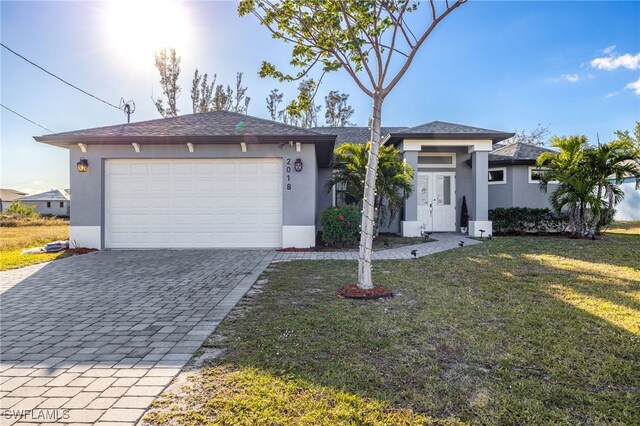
518,152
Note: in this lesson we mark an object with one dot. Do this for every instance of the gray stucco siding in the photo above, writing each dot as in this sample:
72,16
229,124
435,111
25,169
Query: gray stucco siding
518,191
324,198
88,209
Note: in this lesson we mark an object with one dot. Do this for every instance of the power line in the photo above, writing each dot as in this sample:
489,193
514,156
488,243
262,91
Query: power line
55,76
30,121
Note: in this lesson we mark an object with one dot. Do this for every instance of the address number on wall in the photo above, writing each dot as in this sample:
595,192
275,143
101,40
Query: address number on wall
288,173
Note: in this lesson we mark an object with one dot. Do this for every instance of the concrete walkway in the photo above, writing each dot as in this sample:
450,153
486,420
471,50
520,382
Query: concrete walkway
95,338
444,241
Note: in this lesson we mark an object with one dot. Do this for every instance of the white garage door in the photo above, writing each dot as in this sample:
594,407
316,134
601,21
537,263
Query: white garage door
193,203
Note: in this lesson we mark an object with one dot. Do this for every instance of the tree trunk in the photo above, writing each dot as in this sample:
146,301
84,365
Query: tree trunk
596,217
365,280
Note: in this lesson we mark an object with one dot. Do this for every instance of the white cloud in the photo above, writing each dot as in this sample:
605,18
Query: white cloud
612,62
573,78
611,95
609,50
635,86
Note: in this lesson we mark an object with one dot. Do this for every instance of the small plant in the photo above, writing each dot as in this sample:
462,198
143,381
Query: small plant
22,210
340,225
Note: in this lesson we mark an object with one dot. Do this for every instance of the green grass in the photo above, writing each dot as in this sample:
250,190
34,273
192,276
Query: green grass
517,330
14,239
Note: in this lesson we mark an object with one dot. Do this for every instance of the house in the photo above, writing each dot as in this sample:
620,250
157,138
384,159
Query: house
8,196
50,203
223,179
629,207
514,179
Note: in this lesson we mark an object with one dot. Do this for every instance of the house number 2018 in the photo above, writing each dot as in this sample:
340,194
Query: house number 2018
288,174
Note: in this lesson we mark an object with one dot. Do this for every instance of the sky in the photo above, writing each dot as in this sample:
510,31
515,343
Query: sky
573,67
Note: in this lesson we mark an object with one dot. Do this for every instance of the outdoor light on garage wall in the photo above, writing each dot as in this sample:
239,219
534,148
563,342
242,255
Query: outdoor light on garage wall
297,165
83,165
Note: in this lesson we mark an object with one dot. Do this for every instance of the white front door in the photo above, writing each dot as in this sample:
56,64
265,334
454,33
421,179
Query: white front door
437,201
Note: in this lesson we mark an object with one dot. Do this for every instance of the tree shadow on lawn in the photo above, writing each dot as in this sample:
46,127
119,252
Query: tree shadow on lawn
481,334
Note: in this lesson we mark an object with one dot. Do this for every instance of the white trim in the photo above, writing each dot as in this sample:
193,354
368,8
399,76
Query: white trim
190,146
298,236
472,145
85,236
451,165
532,168
83,147
243,146
504,176
136,146
411,228
298,147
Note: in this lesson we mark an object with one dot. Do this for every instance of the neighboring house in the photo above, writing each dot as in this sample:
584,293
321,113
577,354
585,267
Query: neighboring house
223,179
514,179
629,208
8,196
51,203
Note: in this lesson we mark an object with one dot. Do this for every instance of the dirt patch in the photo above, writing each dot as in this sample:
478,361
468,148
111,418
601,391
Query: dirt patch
352,291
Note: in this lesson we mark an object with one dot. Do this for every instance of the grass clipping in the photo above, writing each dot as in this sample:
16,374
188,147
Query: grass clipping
223,395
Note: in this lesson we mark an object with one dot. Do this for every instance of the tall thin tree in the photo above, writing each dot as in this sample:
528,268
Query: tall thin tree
168,65
337,111
372,41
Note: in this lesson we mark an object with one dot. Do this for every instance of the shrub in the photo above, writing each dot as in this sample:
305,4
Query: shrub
606,219
21,210
524,220
340,225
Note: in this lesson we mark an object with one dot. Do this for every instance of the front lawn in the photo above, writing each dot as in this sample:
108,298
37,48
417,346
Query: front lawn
14,239
517,330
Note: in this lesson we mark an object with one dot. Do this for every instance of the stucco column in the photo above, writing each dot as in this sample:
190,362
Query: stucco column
480,162
479,225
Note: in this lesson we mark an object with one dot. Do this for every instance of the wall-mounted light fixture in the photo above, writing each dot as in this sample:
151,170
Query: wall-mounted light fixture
83,165
297,165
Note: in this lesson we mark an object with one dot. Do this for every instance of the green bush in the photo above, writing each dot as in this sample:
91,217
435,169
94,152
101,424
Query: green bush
524,220
19,209
606,219
341,225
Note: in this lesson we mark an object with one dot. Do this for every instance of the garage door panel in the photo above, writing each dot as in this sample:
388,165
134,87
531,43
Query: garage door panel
194,203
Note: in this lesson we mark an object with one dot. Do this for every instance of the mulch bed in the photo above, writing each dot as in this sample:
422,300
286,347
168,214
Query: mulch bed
352,291
78,250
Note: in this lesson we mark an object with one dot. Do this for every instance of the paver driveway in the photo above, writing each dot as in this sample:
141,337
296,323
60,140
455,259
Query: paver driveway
94,338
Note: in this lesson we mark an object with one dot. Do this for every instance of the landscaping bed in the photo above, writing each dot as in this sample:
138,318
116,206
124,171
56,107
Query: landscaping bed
517,330
383,241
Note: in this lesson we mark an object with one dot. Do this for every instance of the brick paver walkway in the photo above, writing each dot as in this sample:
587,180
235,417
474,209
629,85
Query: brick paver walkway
94,338
444,241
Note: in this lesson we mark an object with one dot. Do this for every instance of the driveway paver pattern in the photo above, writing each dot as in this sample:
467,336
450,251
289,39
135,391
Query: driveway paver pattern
94,338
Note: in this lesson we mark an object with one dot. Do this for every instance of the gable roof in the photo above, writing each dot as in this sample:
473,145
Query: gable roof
353,134
516,153
52,195
7,194
445,130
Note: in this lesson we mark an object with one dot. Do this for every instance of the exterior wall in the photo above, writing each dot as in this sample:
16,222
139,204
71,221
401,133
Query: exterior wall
88,209
324,198
54,210
518,192
4,205
629,208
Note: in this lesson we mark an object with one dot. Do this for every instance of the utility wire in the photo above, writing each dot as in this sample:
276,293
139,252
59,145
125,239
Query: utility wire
30,121
55,76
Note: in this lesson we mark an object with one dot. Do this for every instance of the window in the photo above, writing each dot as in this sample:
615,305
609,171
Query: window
535,175
61,204
497,176
342,196
434,160
48,204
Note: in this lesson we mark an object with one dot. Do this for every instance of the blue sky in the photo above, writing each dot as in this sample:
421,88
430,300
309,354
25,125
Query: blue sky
496,64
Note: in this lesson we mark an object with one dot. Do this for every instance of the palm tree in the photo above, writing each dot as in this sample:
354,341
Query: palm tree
587,175
565,166
609,165
394,181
